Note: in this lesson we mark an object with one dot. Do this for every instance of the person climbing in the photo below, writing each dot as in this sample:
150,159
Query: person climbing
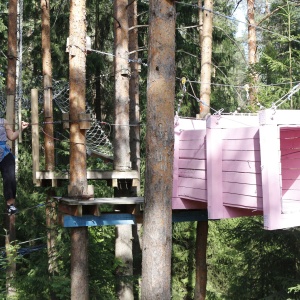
7,163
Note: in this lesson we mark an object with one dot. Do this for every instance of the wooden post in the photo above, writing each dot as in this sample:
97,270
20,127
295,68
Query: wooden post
123,243
78,178
35,135
157,235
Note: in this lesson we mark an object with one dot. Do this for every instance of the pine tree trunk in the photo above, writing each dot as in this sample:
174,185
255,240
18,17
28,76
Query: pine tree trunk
206,55
123,245
157,235
51,217
134,118
252,52
78,178
201,266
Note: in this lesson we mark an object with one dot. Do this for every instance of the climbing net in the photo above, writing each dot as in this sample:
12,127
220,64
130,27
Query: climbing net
97,140
97,137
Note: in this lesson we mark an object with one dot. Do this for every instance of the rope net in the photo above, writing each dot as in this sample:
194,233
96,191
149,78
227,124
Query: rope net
97,137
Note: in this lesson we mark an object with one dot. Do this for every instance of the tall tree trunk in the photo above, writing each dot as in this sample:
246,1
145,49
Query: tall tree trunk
10,116
252,52
123,245
78,180
206,54
48,137
201,266
134,118
205,90
97,103
157,235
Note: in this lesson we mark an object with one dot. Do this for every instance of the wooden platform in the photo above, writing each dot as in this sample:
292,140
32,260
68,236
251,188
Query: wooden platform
91,174
101,201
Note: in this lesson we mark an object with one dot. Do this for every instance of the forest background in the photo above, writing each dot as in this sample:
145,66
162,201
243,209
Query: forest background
244,261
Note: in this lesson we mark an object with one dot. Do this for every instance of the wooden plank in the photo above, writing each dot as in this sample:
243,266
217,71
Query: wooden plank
291,143
290,163
242,189
289,132
241,145
214,173
104,219
192,193
246,202
189,123
250,178
196,154
93,201
290,184
232,121
91,174
290,174
242,166
241,133
291,194
192,164
187,135
248,155
192,144
289,153
201,174
279,117
181,203
192,183
271,177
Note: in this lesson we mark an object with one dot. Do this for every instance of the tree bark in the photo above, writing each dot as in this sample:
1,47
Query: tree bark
157,235
252,59
134,118
78,179
201,266
51,217
121,116
123,244
206,55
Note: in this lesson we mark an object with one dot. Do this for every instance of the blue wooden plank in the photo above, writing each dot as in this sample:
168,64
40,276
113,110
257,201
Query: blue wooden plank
189,215
105,219
128,219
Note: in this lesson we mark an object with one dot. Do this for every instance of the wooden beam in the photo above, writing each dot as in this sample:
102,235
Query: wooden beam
91,174
99,201
104,219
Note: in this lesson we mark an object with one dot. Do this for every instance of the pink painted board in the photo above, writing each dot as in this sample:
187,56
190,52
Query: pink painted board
214,173
242,189
242,144
201,174
247,155
192,164
180,203
249,178
197,154
246,202
192,183
241,166
192,193
271,178
293,184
